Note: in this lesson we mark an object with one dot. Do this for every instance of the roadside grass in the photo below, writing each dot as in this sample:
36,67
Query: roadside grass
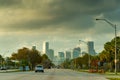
108,75
10,71
81,70
5,71
113,78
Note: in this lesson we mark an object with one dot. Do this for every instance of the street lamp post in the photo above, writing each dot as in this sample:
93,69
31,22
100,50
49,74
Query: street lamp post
88,53
114,26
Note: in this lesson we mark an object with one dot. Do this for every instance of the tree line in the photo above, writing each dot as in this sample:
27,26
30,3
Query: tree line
31,57
26,57
105,59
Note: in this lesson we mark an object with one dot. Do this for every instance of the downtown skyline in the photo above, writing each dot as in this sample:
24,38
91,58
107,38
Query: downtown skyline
63,23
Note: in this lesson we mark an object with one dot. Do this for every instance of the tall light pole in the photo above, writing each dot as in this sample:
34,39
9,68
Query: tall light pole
114,26
88,52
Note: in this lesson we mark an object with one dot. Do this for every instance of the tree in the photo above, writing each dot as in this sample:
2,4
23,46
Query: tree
23,54
27,57
14,56
67,64
1,60
34,58
31,57
79,62
86,59
46,61
108,54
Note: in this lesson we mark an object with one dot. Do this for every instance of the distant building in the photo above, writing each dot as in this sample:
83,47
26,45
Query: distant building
33,47
68,54
51,54
76,52
61,56
45,47
91,50
47,51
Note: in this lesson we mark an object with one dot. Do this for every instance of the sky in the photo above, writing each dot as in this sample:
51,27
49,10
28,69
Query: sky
27,23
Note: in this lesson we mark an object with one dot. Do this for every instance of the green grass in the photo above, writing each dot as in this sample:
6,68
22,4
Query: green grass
114,78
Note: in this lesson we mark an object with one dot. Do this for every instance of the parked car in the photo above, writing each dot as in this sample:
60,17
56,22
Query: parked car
3,68
39,68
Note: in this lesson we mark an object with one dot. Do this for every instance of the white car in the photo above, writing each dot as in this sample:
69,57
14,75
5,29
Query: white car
39,68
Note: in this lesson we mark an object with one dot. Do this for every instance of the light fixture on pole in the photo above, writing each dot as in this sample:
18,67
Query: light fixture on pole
114,26
87,51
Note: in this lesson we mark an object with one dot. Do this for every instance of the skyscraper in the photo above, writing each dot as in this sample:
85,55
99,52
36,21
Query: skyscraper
68,55
51,54
91,50
61,54
45,47
76,52
47,51
61,57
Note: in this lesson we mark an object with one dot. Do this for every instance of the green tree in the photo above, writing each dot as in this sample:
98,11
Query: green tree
34,58
1,60
67,64
27,57
14,56
46,61
86,59
108,54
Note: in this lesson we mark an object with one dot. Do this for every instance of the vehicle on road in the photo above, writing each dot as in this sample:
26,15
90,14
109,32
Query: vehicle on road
39,68
3,68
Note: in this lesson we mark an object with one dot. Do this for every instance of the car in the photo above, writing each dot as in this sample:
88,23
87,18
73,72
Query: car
39,68
3,68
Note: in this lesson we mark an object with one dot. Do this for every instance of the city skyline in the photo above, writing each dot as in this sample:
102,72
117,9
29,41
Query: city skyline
26,23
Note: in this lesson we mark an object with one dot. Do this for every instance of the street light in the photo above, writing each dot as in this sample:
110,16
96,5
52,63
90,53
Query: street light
88,52
114,26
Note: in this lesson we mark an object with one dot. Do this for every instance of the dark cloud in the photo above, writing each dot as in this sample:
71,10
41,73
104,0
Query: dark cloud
79,23
8,3
72,14
28,21
84,6
113,16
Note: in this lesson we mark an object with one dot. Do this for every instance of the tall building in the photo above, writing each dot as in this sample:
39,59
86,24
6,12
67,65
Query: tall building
76,52
47,51
51,54
61,54
91,50
45,47
61,57
68,54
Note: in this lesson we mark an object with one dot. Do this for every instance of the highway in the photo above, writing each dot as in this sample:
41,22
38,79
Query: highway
51,74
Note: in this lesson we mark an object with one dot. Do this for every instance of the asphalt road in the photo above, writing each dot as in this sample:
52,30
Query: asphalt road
51,74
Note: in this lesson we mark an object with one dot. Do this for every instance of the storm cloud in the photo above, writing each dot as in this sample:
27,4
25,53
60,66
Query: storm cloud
63,22
20,15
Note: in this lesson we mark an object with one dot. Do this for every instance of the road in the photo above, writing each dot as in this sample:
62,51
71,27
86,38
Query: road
51,74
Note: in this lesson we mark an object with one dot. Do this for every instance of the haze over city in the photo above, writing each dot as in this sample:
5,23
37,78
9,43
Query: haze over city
62,23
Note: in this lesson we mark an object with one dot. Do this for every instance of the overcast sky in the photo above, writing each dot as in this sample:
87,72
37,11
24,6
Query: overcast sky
24,23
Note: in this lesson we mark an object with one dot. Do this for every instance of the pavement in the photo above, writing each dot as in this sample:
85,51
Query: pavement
96,76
